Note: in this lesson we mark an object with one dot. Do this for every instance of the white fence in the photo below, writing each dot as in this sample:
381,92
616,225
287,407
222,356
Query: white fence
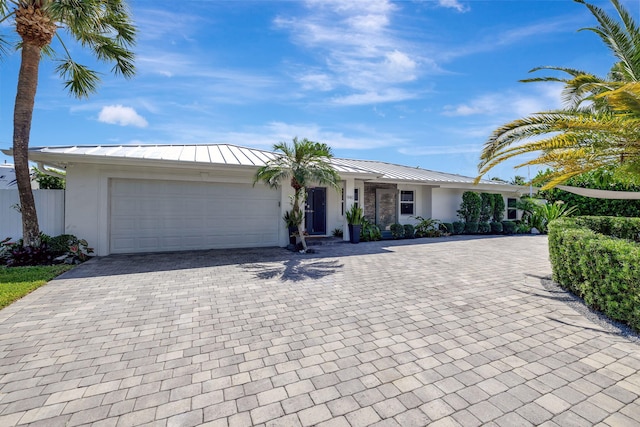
50,208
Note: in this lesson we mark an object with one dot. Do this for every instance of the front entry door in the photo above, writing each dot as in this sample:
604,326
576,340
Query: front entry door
385,208
316,211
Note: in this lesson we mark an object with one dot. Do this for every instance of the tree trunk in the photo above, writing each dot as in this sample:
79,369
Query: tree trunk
23,113
296,207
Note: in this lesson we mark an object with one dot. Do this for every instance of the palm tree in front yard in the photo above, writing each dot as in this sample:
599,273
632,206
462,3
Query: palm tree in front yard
102,26
302,163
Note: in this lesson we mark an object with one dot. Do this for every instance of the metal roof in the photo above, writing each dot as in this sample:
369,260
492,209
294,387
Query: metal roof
233,155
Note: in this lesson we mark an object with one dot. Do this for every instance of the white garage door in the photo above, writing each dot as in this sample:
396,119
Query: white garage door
153,216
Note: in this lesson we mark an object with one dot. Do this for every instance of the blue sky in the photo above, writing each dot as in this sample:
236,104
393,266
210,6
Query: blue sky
420,83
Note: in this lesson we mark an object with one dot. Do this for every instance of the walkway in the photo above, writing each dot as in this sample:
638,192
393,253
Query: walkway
455,331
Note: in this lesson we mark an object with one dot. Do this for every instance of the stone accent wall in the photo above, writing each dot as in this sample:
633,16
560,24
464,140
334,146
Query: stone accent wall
370,200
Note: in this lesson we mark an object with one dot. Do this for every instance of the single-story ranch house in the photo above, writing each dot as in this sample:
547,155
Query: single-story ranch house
149,198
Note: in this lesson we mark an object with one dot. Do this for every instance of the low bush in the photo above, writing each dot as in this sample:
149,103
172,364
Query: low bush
496,227
508,227
425,226
484,228
446,227
397,231
369,232
65,248
471,227
458,227
409,231
603,270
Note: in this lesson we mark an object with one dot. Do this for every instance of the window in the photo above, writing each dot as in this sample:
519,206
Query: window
512,211
356,197
342,199
406,203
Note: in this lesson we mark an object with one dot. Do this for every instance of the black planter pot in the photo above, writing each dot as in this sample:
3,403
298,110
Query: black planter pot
354,233
292,238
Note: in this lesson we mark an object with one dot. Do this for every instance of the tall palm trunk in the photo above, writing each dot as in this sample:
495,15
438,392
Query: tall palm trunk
36,30
25,99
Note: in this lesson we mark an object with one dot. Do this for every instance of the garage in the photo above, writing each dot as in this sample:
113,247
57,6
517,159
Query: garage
158,215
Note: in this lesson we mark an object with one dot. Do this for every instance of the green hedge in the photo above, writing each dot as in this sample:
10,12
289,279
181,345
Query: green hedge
601,269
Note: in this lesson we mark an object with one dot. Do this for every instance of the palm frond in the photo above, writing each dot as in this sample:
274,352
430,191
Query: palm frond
619,38
78,79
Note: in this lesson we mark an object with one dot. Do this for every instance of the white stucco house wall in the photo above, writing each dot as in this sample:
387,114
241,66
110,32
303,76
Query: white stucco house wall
150,198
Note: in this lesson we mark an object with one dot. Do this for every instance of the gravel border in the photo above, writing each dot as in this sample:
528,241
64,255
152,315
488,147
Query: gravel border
577,304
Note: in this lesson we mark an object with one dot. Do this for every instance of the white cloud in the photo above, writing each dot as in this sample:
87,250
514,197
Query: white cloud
357,49
391,95
453,4
509,103
120,115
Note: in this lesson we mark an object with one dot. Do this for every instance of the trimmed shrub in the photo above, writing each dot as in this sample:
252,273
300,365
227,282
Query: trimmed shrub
486,207
409,231
458,227
496,227
498,207
471,227
603,270
484,228
622,228
446,227
470,207
397,231
508,227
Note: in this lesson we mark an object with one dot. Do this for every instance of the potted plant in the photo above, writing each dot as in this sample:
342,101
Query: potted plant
354,221
293,218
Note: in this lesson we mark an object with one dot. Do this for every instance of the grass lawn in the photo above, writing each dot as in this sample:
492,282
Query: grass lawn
16,282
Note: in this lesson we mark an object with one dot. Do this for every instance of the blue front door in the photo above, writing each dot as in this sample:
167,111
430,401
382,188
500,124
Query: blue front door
316,211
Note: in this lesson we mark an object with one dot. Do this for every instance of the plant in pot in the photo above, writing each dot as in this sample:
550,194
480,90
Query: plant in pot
354,221
293,219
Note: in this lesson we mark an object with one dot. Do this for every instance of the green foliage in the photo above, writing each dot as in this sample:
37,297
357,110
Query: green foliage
293,218
498,207
604,179
425,226
621,228
508,227
337,232
545,213
458,227
601,269
484,228
496,227
17,282
65,248
470,207
486,207
48,182
522,228
598,125
409,231
355,215
370,232
471,227
397,231
446,227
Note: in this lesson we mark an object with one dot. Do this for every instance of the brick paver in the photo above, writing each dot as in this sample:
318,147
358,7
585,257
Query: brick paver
451,331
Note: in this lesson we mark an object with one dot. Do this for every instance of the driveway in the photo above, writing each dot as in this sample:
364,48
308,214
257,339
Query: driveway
453,331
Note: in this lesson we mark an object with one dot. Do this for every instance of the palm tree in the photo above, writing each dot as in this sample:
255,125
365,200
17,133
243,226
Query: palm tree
600,125
302,163
102,26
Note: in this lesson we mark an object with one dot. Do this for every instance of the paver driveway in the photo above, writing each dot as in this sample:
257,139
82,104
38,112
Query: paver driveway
433,331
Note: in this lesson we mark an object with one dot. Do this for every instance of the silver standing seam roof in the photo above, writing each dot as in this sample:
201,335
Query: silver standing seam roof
227,154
